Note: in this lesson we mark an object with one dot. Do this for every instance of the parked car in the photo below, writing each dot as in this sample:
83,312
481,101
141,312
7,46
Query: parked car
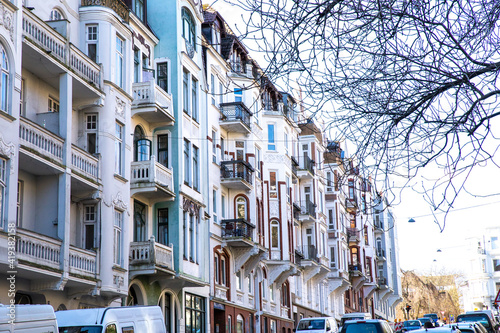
366,326
355,316
488,312
468,327
483,318
114,319
438,330
424,320
434,317
411,325
317,325
27,318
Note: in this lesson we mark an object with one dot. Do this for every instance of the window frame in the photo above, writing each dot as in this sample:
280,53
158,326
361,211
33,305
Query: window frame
88,221
119,146
188,28
271,137
118,237
89,40
119,61
163,225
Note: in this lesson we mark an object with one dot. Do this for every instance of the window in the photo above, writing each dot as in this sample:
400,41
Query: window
138,7
222,148
273,190
117,238
89,226
214,205
119,149
196,169
257,161
212,88
229,324
273,326
162,75
56,15
331,221
329,184
92,38
111,328
192,244
275,235
142,145
223,272
321,202
184,232
91,132
53,105
270,137
139,222
286,143
350,184
495,244
238,95
195,314
332,257
137,65
187,163
3,185
496,265
239,284
185,91
194,99
163,149
223,206
240,324
163,226
216,268
20,195
119,61
250,284
22,107
188,29
214,147
241,208
221,93
4,80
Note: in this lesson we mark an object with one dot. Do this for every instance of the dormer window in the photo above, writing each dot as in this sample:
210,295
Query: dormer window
188,29
56,15
138,8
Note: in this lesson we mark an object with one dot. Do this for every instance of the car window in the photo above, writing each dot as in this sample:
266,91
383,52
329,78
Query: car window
470,319
81,329
311,324
361,328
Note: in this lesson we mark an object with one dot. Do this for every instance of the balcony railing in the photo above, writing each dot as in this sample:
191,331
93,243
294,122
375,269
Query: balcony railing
85,163
147,94
38,249
355,268
151,172
151,253
39,139
381,281
236,169
82,262
237,66
41,34
353,232
118,6
381,253
308,165
310,252
308,208
351,203
237,228
295,164
235,111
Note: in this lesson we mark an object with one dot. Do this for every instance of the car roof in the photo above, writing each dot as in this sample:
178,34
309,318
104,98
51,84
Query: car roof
364,321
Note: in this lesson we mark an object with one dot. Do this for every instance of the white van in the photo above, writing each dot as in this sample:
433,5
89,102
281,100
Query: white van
355,316
317,325
127,319
27,318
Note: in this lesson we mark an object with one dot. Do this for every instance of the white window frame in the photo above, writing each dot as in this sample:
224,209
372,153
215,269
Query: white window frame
53,105
91,128
273,192
214,146
88,221
119,61
20,197
214,205
119,146
118,238
4,80
92,38
271,140
186,151
223,206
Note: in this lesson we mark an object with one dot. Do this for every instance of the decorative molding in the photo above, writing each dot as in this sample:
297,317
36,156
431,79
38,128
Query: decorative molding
278,158
274,209
257,131
190,206
120,107
117,202
7,149
6,19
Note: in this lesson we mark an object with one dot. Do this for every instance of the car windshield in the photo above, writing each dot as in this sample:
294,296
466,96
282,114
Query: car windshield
361,328
311,324
412,323
470,319
423,320
81,329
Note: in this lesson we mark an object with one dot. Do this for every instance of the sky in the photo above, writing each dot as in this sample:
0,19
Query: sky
419,241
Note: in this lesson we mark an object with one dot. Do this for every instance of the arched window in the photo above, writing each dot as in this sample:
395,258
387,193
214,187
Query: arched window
188,28
275,234
56,15
241,208
142,145
240,323
167,304
4,83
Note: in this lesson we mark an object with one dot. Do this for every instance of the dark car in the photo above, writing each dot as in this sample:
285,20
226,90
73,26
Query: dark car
484,319
424,320
434,317
366,326
411,325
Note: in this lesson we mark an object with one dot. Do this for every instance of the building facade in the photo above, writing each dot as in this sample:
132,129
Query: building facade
147,159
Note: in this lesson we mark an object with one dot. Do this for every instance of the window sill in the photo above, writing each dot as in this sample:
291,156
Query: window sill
7,116
121,178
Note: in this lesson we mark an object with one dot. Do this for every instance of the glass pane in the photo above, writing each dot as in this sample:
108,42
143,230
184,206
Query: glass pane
143,147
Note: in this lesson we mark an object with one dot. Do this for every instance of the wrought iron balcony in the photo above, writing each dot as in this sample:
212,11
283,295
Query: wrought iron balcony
308,210
236,175
353,235
239,232
306,168
235,117
351,204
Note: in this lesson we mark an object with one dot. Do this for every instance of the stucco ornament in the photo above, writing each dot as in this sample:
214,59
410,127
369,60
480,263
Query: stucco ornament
117,202
7,21
7,149
120,107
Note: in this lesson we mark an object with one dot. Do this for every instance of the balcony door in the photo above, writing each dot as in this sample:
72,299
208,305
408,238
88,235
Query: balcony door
142,145
139,222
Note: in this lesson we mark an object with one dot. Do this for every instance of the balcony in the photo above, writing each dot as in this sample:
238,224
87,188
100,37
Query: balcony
151,258
351,204
152,103
295,165
238,232
306,168
307,211
235,117
82,263
236,175
85,167
38,250
382,282
381,255
353,235
152,180
46,52
118,6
